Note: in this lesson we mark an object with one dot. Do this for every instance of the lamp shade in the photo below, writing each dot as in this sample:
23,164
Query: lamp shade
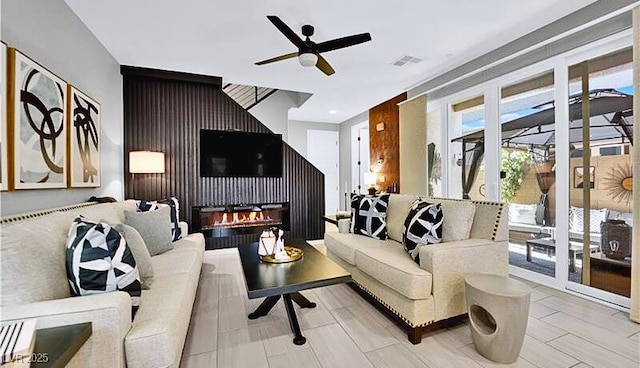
308,59
370,178
146,162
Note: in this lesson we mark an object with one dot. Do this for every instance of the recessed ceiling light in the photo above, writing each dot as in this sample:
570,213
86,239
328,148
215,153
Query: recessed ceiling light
332,112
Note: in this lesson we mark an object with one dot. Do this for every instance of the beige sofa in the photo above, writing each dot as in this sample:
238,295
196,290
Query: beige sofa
33,246
421,295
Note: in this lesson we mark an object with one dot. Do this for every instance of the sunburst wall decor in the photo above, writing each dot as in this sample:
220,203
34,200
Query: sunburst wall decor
619,183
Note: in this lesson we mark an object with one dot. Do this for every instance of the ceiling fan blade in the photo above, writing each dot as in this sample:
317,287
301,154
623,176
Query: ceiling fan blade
286,31
278,58
323,65
342,42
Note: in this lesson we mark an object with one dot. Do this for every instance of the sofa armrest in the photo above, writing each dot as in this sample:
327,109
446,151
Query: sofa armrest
449,263
109,314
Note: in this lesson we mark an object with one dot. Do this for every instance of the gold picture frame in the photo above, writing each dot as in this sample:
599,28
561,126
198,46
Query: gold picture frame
84,139
37,124
578,177
4,150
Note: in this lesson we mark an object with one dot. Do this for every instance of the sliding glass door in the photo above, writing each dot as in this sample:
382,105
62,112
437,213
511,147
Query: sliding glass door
600,169
467,172
528,171
567,180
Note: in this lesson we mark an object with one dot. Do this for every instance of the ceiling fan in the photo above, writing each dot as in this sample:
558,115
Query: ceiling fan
308,51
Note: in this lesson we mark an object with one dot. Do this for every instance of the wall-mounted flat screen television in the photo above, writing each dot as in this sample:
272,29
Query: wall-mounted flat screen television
240,154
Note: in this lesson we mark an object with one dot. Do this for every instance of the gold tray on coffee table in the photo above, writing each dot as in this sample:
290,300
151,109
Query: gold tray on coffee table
293,253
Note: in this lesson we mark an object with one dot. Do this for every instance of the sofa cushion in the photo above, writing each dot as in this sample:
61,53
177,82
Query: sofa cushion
98,260
525,228
422,226
399,205
32,254
345,245
190,243
390,265
140,253
154,227
522,213
160,326
176,262
370,216
458,219
174,213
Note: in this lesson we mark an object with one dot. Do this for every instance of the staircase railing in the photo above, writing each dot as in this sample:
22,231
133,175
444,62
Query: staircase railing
247,96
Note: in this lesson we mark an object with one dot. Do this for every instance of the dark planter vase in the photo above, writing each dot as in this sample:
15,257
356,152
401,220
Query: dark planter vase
615,241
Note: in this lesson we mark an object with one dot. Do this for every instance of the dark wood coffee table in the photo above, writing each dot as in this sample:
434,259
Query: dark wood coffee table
550,245
275,280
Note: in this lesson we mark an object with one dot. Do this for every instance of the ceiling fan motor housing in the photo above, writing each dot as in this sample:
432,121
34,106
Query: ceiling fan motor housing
307,30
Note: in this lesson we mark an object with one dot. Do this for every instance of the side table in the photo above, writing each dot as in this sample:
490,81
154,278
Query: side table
498,314
56,346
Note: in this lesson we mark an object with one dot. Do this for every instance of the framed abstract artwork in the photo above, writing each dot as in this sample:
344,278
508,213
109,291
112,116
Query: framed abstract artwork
84,140
38,100
4,151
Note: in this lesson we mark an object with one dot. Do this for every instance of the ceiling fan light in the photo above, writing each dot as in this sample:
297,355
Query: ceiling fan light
308,59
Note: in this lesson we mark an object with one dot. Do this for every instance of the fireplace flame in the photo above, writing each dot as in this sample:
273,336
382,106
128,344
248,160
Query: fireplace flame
238,218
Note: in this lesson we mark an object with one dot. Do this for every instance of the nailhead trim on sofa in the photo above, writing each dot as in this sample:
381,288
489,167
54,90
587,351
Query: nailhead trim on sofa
31,215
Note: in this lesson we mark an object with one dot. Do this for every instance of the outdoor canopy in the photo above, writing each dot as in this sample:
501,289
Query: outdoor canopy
611,114
611,119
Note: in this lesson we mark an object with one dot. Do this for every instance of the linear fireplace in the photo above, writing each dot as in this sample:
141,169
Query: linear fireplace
234,220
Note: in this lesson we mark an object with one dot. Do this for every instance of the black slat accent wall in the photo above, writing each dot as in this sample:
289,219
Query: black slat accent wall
164,111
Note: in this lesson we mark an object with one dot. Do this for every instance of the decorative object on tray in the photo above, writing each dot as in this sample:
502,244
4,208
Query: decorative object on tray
84,140
272,249
292,254
619,183
38,120
16,343
616,239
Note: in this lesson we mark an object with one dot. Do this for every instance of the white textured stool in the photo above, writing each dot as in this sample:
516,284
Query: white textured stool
498,312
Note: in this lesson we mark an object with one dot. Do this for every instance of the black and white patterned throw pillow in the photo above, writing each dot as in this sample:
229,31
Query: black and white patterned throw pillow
173,204
371,216
422,226
355,206
98,260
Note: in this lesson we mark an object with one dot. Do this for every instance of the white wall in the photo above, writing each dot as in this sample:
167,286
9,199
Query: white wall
298,133
274,110
345,147
51,34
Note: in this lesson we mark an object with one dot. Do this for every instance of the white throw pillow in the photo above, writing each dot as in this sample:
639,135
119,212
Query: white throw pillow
576,219
522,213
458,219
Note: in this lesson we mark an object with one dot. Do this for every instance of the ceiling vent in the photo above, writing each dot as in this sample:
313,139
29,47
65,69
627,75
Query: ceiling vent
406,59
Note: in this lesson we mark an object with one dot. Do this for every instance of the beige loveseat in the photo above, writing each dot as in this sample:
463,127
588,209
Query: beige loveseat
421,295
34,285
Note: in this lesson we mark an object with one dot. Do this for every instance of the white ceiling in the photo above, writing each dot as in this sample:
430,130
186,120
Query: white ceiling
225,38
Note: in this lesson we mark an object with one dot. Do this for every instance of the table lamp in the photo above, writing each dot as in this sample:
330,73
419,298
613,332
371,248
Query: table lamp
370,181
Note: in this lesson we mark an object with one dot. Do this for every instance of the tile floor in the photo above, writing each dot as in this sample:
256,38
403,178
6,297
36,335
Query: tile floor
346,331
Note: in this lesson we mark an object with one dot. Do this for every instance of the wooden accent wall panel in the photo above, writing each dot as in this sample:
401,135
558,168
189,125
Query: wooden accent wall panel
385,144
164,113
